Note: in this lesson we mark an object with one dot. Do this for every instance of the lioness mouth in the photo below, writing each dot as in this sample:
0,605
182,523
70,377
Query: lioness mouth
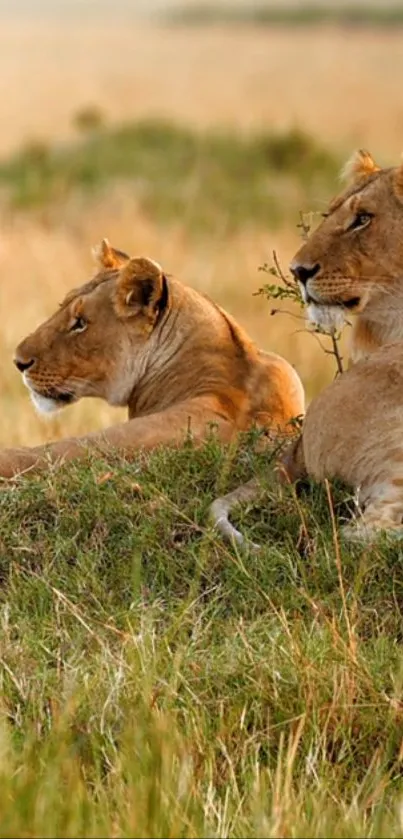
66,398
61,397
52,394
351,304
51,401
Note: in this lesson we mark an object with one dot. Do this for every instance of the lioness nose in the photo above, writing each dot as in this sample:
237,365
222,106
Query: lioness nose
303,273
23,365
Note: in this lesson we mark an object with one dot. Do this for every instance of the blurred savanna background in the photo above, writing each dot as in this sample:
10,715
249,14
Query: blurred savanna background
193,133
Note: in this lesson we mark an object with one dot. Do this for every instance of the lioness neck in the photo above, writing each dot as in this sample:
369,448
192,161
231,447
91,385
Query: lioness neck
381,323
196,348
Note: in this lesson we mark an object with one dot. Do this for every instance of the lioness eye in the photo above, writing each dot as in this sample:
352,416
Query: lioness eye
360,220
78,325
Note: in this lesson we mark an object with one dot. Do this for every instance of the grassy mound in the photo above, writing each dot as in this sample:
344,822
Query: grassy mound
155,682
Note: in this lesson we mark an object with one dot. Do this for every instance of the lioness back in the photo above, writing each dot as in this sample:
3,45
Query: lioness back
281,379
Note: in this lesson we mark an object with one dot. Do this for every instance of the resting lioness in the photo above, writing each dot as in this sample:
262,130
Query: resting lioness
353,265
137,338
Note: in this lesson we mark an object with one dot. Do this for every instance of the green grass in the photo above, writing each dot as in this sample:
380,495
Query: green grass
308,14
155,682
208,180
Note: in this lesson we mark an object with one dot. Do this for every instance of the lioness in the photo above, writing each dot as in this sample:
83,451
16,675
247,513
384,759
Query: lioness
137,338
353,264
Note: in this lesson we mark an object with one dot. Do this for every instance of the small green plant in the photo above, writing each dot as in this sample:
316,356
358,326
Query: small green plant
287,289
89,119
36,153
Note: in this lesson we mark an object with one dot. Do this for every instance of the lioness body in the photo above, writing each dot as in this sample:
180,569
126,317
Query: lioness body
353,265
178,362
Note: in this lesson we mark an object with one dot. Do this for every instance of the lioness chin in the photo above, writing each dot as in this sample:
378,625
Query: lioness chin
352,266
138,338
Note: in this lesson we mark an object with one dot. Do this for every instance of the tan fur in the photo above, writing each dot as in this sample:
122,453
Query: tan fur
134,337
354,429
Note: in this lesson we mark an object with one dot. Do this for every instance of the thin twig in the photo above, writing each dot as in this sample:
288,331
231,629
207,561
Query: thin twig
291,315
280,272
304,226
288,289
336,353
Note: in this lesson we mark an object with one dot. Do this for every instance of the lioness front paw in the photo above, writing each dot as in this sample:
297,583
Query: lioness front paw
360,531
357,532
16,462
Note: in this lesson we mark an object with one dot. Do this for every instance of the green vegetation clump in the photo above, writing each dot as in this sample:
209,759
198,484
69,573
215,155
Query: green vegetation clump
89,118
206,179
280,14
156,682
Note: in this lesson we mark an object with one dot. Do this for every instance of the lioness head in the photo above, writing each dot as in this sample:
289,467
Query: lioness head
353,262
96,344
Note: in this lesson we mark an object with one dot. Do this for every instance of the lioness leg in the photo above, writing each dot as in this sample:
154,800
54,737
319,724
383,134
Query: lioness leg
221,508
289,469
383,513
169,427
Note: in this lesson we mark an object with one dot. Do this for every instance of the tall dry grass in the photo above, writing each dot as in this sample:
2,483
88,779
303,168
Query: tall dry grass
343,86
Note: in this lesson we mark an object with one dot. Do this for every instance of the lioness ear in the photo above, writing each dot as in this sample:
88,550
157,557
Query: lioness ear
360,165
141,290
109,257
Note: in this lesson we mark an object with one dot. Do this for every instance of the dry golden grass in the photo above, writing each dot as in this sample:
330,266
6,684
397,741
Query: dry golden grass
341,86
